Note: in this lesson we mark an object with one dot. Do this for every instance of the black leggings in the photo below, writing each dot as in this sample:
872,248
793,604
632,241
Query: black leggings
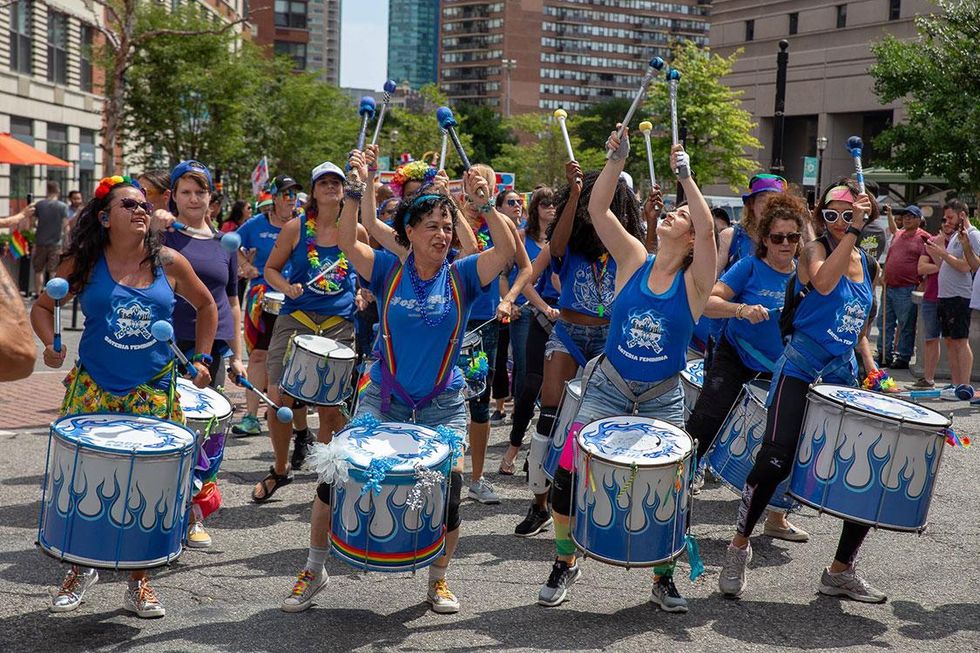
501,379
722,384
537,338
775,461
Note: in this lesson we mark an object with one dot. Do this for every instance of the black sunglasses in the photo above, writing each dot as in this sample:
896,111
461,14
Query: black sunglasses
830,215
546,204
793,238
131,205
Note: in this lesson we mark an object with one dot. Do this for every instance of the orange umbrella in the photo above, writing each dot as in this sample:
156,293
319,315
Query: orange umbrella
14,152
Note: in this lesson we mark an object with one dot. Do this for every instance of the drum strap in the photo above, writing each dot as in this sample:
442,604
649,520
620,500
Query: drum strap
617,380
316,328
566,339
800,343
755,354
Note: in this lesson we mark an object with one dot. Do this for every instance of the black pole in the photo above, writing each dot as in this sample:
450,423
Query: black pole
782,60
682,135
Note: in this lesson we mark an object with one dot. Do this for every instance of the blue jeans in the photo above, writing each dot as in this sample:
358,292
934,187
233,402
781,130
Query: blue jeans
447,409
602,399
590,340
519,329
900,312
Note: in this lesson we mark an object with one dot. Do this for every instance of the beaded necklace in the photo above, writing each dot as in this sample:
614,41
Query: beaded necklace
331,281
422,288
597,277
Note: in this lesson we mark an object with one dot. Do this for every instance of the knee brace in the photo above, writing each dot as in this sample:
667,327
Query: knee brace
323,492
561,492
536,480
546,420
455,493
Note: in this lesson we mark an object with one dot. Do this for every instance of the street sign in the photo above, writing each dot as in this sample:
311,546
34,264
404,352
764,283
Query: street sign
811,168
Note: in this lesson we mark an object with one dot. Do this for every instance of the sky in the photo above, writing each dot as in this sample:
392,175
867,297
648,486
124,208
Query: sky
363,22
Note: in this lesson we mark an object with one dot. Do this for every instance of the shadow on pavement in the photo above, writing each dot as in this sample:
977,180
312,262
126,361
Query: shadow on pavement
943,621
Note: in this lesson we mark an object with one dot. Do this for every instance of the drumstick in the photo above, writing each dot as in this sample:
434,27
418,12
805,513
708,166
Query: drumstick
855,145
230,242
561,116
324,272
490,321
163,331
57,289
442,151
645,128
366,109
385,101
963,392
673,79
283,413
448,122
656,64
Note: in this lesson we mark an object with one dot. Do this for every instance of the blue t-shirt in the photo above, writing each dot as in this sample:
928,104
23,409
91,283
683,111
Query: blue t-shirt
649,333
543,285
217,268
754,282
586,286
485,305
421,352
833,321
259,234
117,348
741,247
336,299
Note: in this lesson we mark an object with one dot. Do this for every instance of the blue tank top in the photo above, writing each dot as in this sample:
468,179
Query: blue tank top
741,247
485,304
649,333
117,348
587,287
543,285
337,298
833,321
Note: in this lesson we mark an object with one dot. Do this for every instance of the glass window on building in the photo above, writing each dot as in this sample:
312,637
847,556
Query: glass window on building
86,162
58,146
841,16
290,13
794,23
85,58
750,30
57,48
20,36
295,50
894,9
20,176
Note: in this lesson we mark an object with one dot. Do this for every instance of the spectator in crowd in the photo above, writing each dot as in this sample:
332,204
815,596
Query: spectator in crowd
50,223
901,278
955,288
17,351
929,269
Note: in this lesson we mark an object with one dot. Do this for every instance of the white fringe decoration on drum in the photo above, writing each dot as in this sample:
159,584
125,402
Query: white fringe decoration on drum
330,462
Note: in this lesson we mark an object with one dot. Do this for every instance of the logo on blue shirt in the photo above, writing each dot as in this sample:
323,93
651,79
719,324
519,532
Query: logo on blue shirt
588,296
645,330
851,318
130,320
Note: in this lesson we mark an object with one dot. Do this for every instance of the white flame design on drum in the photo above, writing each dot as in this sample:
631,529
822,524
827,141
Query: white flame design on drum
318,370
692,379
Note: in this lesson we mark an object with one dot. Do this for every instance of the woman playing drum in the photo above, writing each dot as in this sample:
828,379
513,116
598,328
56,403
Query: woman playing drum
828,323
749,297
125,281
424,302
658,300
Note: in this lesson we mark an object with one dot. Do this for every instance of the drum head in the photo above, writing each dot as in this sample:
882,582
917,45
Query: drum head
758,390
879,405
694,372
201,404
124,434
630,440
324,347
274,296
406,444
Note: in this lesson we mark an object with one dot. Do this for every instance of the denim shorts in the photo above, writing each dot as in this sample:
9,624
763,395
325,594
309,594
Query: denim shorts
930,320
447,409
590,340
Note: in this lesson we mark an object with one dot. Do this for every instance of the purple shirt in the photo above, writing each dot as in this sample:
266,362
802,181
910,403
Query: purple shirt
218,270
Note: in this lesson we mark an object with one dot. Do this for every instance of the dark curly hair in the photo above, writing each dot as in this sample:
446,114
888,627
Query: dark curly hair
412,210
89,239
543,194
781,206
583,240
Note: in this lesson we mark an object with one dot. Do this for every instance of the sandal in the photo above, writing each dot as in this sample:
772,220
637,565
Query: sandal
278,482
506,469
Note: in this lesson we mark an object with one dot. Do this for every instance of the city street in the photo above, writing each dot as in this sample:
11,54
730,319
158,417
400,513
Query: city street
227,598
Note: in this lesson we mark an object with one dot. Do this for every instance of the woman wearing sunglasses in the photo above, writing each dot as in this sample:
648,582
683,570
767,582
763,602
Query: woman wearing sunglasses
749,298
125,281
657,300
828,323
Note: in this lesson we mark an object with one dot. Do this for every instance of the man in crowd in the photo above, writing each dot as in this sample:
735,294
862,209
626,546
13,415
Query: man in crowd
901,278
50,223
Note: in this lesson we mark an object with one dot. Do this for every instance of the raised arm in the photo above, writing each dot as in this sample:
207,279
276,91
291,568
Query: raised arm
381,232
652,208
357,252
628,252
563,228
703,270
825,272
493,260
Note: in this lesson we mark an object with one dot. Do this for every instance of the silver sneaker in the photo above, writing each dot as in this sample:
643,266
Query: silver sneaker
141,599
555,590
665,595
731,582
306,587
69,596
698,483
483,492
848,583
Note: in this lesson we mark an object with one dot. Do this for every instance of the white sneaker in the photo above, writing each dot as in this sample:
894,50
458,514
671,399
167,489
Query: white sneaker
731,581
308,584
69,596
441,599
140,598
483,492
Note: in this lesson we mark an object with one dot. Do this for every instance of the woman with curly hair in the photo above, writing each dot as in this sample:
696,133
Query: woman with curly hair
749,297
115,263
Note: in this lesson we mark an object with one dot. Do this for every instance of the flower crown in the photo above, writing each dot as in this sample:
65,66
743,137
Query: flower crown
414,171
108,183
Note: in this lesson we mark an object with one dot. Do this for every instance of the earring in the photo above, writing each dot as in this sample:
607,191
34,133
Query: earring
104,219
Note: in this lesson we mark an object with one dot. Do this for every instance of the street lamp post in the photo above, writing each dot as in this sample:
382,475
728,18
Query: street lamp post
821,146
508,65
779,115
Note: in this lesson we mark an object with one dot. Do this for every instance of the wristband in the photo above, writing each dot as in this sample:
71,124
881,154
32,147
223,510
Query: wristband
738,311
853,230
206,359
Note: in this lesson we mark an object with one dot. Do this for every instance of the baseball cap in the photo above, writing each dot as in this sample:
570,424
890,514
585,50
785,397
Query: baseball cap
764,183
325,168
190,165
282,183
911,209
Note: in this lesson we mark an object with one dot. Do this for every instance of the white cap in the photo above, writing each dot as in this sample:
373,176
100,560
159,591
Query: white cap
625,176
302,197
325,168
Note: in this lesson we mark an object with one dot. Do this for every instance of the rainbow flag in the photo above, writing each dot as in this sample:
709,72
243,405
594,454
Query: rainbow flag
18,244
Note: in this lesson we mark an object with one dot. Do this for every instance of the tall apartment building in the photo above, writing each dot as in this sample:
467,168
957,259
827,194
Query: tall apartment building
324,46
309,32
526,55
829,93
413,41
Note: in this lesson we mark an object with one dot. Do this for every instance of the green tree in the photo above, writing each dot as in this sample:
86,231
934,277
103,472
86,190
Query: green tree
419,133
538,154
937,76
487,130
719,130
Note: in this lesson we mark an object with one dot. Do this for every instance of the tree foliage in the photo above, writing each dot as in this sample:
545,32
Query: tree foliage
419,133
937,76
719,130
